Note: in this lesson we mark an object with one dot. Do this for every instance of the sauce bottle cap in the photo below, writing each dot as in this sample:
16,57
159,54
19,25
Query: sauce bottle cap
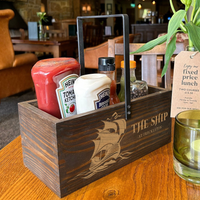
132,64
106,64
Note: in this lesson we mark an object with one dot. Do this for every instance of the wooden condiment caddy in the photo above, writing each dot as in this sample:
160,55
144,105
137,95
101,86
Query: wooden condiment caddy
67,154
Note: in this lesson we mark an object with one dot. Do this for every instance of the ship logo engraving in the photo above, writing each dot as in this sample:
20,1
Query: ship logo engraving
107,148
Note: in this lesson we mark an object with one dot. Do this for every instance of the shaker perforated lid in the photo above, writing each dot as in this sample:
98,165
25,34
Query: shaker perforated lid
106,64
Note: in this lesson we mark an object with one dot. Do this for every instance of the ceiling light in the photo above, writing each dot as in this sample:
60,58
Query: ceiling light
88,8
139,5
132,4
84,8
153,2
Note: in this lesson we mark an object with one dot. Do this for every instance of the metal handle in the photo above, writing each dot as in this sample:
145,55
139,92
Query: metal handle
125,21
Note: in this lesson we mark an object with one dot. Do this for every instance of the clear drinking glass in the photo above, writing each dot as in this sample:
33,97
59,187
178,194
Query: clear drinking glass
186,147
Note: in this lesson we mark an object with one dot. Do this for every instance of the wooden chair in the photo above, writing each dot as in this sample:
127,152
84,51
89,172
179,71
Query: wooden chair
15,70
160,67
136,38
148,60
160,60
92,54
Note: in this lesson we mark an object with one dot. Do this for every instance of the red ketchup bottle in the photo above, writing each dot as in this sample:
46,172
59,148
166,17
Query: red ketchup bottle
50,77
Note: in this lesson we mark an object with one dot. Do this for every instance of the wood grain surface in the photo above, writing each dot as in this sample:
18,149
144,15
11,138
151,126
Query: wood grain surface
71,153
149,178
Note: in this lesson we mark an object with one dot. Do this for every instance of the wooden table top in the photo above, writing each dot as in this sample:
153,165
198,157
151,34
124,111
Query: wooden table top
50,41
150,177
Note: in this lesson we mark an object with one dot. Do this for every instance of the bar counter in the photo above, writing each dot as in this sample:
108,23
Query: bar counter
148,31
150,177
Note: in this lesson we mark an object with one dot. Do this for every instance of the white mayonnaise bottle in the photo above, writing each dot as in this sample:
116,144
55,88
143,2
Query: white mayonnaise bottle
92,92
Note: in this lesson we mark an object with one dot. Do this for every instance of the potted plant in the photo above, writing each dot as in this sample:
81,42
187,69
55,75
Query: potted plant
42,17
190,27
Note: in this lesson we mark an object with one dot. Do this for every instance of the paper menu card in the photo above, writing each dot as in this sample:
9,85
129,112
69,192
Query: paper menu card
186,82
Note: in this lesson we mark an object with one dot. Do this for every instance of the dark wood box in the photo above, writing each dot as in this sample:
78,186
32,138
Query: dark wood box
67,154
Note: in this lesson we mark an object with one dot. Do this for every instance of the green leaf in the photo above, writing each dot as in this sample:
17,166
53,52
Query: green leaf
197,4
196,8
198,22
196,17
194,34
42,16
192,3
151,44
171,47
174,23
45,19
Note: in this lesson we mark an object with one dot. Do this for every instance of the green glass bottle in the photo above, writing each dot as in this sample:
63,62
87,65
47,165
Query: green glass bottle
122,82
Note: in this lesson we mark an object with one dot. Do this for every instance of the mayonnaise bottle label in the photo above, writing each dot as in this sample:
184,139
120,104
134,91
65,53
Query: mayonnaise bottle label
103,99
66,96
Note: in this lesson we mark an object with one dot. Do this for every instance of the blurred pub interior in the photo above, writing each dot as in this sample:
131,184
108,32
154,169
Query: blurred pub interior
139,11
142,13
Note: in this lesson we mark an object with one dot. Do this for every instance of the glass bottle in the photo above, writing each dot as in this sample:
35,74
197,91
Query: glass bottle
106,65
122,82
137,87
190,48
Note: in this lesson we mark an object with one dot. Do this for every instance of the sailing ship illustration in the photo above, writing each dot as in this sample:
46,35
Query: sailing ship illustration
107,150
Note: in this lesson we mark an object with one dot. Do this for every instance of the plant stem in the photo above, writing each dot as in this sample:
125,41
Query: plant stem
190,43
193,20
195,17
183,28
194,3
186,20
181,25
172,6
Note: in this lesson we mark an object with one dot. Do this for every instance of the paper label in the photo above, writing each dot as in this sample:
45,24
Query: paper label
103,99
186,82
66,97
